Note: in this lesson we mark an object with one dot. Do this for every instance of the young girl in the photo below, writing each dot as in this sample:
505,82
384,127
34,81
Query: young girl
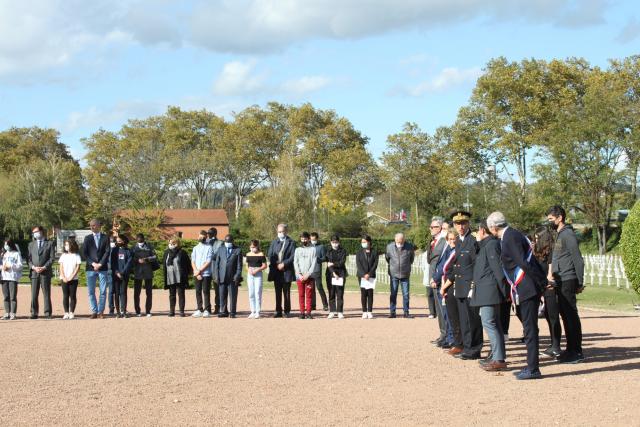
367,264
11,273
336,272
69,266
256,264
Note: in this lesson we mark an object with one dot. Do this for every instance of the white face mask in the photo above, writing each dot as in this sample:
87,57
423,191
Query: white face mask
228,245
113,244
364,245
281,235
172,246
314,242
399,245
6,248
140,245
37,235
66,248
254,250
335,245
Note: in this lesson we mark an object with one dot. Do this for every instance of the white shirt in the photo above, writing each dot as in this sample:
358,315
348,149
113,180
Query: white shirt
69,263
13,260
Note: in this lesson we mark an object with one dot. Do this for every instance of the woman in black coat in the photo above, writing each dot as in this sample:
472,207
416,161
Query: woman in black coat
366,265
336,272
176,267
488,292
543,250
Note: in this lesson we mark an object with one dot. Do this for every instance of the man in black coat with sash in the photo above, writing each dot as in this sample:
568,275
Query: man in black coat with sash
461,275
527,281
281,271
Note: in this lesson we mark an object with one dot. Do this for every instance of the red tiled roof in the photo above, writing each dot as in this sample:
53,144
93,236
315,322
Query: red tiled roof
202,217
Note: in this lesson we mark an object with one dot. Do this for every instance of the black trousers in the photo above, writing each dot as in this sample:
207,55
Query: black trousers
552,314
69,299
336,299
148,289
569,312
453,313
431,300
43,282
283,290
529,318
366,298
228,291
216,296
470,326
323,296
120,293
203,289
179,290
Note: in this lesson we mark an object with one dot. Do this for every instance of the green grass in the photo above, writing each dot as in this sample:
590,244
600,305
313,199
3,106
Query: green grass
609,298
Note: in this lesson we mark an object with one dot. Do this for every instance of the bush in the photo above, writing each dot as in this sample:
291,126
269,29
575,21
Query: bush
630,244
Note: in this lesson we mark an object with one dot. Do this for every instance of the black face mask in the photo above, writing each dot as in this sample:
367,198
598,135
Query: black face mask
553,225
202,239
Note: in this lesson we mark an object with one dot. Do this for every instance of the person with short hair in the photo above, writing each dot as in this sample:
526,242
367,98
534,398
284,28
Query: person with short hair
69,265
256,264
11,274
215,243
432,256
228,273
144,263
281,272
366,266
96,252
121,265
336,275
41,254
452,337
176,269
201,258
399,255
527,281
321,253
304,263
567,276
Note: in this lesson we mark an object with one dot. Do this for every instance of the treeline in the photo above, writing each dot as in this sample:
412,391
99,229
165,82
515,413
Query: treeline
533,133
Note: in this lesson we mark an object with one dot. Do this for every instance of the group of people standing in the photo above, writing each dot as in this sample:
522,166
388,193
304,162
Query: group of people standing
475,280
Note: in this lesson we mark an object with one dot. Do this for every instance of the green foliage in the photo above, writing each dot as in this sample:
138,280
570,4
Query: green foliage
630,246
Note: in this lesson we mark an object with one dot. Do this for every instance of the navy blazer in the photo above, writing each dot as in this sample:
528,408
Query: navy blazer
99,254
461,275
515,248
287,275
124,265
228,267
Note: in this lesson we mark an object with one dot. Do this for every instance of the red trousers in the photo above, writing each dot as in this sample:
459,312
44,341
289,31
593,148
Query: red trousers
306,290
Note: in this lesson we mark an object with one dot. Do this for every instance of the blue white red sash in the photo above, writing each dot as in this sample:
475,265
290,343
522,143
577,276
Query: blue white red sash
518,276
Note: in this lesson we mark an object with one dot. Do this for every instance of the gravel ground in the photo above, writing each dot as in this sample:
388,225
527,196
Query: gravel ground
184,371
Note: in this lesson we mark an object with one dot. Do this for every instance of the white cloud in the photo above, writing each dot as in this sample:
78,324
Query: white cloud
630,32
95,117
445,80
238,78
305,84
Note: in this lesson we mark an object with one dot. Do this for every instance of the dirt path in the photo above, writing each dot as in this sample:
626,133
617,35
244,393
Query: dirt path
184,371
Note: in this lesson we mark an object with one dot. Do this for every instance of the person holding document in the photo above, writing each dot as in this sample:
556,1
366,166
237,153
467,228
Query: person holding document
336,275
367,264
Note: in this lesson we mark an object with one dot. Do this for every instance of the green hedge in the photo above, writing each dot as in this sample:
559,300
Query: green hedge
630,244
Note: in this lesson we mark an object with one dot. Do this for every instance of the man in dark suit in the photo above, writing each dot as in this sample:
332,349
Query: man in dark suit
527,281
96,252
212,239
461,275
42,253
434,251
228,273
281,272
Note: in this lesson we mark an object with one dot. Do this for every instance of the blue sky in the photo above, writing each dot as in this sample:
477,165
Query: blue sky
79,66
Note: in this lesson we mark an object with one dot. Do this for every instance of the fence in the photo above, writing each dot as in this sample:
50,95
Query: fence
382,273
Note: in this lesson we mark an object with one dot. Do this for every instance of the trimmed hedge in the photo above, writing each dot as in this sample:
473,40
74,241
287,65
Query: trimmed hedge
630,246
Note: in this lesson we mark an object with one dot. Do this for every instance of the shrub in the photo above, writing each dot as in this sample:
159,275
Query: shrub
630,244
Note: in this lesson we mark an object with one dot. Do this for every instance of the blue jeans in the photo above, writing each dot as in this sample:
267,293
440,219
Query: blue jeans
490,315
91,289
255,292
443,311
395,284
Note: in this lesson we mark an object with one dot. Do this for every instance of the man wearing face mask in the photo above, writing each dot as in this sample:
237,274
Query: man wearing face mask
304,261
281,272
215,243
111,291
228,273
399,255
41,255
321,254
567,275
96,252
201,257
144,262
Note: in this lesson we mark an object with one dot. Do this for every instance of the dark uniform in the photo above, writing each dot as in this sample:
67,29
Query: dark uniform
458,308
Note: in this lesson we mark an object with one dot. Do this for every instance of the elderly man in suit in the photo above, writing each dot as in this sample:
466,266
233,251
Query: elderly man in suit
42,253
228,273
527,281
434,251
281,272
96,251
461,275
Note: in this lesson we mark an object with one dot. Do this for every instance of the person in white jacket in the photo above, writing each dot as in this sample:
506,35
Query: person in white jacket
11,273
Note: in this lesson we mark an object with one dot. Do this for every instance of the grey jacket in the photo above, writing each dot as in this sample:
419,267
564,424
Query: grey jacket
42,257
305,260
488,278
321,254
433,256
567,262
400,260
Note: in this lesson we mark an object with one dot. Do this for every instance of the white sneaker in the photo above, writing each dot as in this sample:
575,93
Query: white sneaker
256,316
250,316
206,314
12,316
369,315
197,313
331,315
71,316
148,314
6,316
66,316
340,316
364,315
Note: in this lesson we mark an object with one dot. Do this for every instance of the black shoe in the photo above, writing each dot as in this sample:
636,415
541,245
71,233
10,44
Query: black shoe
278,315
302,316
570,358
49,317
222,315
313,307
182,314
445,345
309,316
407,315
172,314
526,374
232,316
485,361
325,308
469,356
216,311
33,316
111,312
436,341
287,315
392,316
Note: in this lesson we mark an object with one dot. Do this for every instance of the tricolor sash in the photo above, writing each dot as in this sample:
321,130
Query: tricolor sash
518,276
